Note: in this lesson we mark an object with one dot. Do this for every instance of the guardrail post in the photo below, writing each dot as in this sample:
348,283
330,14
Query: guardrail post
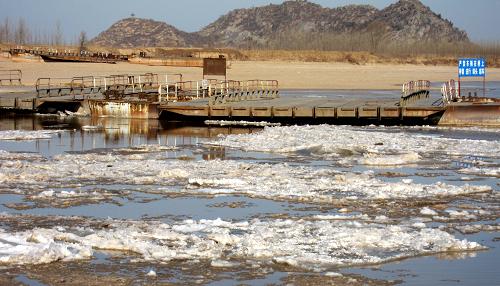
197,89
159,93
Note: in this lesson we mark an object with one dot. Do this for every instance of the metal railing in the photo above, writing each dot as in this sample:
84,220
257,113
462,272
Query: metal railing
144,85
219,92
93,85
186,90
10,76
414,90
49,87
415,86
232,91
449,91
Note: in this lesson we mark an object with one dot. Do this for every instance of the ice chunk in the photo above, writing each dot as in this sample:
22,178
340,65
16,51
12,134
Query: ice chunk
223,263
468,229
381,218
428,212
457,214
407,181
92,127
38,246
240,123
333,274
28,135
389,160
48,193
483,171
419,225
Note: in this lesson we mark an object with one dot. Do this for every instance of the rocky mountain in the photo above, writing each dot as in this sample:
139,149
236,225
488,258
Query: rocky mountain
404,21
136,32
261,24
410,19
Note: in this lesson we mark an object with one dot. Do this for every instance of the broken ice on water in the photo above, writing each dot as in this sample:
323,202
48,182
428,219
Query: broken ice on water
67,174
322,241
370,146
301,243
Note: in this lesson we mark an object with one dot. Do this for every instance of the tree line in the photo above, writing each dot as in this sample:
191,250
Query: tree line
18,32
373,41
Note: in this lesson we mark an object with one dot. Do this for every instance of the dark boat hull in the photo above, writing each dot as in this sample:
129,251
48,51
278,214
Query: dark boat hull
77,59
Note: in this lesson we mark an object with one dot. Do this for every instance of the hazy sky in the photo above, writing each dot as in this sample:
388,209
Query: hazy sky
479,18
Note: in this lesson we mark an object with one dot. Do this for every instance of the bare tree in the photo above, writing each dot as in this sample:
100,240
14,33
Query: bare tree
36,37
2,35
58,35
22,32
82,40
376,33
6,30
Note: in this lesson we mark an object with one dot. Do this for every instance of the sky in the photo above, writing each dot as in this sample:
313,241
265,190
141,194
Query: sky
479,18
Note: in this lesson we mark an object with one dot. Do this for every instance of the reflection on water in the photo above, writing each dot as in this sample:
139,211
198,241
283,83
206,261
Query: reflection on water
85,134
215,153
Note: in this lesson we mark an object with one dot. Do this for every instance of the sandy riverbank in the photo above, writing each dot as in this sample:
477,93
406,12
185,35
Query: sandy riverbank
294,75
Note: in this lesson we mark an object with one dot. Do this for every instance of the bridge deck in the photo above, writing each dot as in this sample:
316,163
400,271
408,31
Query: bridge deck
305,108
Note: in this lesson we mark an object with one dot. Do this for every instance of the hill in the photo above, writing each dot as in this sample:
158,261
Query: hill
405,21
136,32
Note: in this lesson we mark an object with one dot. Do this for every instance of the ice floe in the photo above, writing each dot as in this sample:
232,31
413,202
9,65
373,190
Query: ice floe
80,113
28,135
475,228
333,274
73,194
382,145
273,181
460,214
240,123
428,212
388,159
481,171
37,247
453,128
92,128
300,243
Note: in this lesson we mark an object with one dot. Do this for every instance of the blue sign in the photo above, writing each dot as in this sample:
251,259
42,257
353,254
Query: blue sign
471,68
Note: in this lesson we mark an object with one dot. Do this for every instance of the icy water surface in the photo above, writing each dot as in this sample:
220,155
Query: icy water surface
108,201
